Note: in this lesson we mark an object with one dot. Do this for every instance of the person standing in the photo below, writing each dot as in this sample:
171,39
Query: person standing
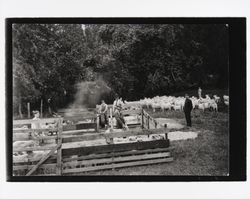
199,92
37,125
103,114
116,103
188,106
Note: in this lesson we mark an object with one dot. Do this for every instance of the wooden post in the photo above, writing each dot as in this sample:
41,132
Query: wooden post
111,140
20,109
155,124
148,121
166,134
111,119
28,107
142,119
59,150
97,122
41,108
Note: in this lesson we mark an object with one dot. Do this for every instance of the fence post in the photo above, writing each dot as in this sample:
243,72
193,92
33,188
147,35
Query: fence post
111,119
97,123
28,107
155,124
97,119
111,140
59,150
148,121
142,119
166,134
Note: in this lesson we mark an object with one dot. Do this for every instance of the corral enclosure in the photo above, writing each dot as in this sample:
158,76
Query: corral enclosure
81,146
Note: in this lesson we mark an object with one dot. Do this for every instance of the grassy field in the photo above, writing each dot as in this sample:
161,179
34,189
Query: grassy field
207,155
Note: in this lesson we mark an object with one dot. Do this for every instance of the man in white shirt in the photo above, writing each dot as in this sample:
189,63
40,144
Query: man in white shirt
103,114
117,107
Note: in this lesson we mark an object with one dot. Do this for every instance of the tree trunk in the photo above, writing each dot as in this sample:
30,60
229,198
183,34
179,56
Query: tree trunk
173,74
41,108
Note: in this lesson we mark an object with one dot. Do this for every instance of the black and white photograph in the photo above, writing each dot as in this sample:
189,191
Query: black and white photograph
124,99
120,99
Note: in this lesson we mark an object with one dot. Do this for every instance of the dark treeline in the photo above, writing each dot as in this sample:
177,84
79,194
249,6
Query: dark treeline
135,61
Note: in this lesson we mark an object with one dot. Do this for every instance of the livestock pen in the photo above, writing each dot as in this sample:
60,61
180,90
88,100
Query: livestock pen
82,146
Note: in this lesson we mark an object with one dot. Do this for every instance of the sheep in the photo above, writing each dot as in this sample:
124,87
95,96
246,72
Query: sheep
177,107
25,144
216,98
156,106
213,105
29,156
201,107
226,97
177,103
226,100
166,106
20,158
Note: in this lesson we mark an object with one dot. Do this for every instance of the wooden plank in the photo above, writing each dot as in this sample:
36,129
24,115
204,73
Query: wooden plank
19,137
52,158
33,130
81,110
106,155
25,167
119,165
117,159
39,148
69,127
131,112
47,120
80,117
115,147
105,135
42,160
77,132
86,126
59,150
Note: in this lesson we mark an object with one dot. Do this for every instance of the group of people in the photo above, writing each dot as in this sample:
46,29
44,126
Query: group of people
121,123
117,108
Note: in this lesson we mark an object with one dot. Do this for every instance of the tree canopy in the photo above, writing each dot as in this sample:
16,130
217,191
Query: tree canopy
135,60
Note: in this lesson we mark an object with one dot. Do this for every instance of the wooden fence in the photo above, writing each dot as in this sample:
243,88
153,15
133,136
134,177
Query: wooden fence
71,155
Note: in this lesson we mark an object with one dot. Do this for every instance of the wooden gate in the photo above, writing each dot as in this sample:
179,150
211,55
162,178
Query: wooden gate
28,142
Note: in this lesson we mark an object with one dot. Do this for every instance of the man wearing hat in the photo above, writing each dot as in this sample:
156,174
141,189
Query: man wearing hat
188,106
117,108
103,114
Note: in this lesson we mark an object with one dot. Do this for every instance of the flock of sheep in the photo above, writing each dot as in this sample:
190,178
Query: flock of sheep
165,103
